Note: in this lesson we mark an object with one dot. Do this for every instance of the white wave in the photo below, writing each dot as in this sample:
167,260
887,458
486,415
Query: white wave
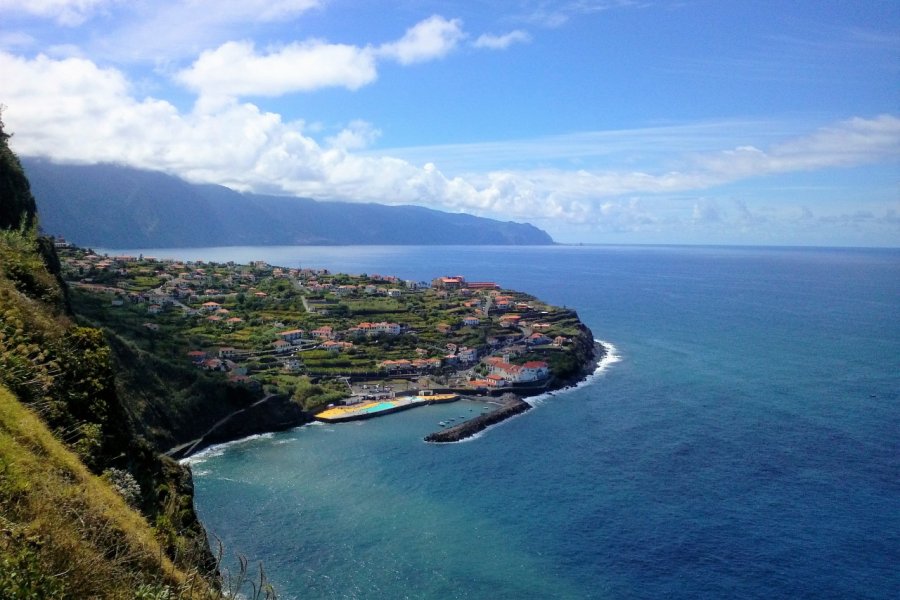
472,437
610,357
219,449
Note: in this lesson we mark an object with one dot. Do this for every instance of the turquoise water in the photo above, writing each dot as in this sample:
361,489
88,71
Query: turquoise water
380,406
745,445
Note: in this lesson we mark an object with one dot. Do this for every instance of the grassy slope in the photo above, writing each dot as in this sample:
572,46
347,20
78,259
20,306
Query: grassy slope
66,532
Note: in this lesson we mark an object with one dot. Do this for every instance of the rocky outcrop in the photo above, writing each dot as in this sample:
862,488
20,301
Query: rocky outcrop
272,413
511,406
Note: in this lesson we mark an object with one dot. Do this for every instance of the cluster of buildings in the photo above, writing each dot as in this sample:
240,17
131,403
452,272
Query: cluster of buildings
503,373
204,289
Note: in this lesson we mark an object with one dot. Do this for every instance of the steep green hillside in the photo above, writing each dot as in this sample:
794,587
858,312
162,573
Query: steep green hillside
87,507
64,532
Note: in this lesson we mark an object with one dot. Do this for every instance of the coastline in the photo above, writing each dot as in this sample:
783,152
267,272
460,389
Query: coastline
604,354
516,404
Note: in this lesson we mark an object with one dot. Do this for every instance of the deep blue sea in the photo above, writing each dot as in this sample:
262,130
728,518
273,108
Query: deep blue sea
745,445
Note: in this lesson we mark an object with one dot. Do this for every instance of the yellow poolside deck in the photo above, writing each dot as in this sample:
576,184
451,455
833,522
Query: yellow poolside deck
374,408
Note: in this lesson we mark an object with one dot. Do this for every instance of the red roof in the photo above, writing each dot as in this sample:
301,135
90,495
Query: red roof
535,364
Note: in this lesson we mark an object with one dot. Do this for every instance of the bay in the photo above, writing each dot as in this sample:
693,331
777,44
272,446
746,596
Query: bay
745,445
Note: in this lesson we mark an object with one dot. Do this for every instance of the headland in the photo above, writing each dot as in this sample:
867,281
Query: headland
257,347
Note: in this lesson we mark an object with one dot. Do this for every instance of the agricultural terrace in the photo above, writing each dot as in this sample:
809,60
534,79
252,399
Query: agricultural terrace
321,336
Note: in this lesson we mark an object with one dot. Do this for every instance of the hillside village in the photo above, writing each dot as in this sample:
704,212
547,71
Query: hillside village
282,330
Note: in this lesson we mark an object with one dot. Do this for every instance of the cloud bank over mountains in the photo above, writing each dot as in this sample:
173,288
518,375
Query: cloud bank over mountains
60,98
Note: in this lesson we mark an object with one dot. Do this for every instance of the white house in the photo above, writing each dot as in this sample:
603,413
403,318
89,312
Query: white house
467,355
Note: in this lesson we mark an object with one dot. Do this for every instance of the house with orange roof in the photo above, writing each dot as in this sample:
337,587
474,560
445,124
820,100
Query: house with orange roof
537,339
395,365
449,283
333,346
291,335
325,332
510,320
196,355
531,371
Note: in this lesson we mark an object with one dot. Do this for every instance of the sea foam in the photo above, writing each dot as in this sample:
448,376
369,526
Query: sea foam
610,357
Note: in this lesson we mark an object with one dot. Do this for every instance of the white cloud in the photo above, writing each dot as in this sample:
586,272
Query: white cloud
73,110
554,14
236,69
69,13
150,31
502,42
852,142
706,211
263,10
435,37
357,135
15,39
201,12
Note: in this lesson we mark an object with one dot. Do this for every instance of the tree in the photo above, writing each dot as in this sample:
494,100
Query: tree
17,205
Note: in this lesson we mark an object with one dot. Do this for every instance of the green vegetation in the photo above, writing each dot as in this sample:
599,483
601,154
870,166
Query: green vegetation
17,208
301,333
65,531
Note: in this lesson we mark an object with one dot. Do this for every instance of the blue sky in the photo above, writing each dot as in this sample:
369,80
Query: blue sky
601,121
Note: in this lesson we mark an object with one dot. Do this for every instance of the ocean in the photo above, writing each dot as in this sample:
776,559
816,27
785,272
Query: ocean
743,443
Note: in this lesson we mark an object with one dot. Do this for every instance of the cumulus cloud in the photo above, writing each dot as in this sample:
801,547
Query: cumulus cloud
357,135
237,69
435,37
502,42
73,110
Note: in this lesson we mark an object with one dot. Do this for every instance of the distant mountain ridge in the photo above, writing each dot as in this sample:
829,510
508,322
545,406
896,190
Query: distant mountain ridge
121,207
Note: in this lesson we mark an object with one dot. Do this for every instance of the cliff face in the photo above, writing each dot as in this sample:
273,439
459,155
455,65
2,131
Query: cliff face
587,353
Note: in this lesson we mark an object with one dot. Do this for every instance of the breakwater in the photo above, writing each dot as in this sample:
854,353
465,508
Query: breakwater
510,406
